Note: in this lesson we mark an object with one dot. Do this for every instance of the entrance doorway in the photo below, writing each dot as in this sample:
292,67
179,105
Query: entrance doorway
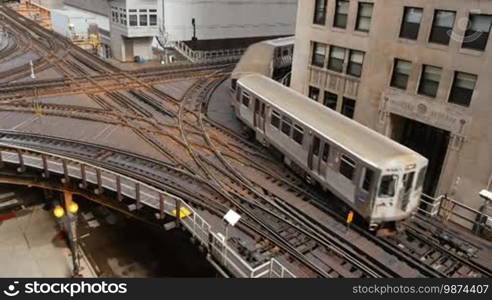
429,141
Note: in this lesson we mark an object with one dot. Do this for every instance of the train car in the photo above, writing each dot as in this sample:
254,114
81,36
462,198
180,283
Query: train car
378,178
272,58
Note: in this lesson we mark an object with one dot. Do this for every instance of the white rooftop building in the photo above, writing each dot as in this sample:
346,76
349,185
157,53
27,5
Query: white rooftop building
134,24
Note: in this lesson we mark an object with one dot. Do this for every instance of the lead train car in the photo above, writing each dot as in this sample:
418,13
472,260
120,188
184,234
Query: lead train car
379,178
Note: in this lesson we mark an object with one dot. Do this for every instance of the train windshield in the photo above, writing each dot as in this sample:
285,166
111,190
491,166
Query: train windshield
387,188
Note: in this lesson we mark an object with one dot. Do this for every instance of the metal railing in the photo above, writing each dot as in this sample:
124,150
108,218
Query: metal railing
283,61
143,194
446,209
200,55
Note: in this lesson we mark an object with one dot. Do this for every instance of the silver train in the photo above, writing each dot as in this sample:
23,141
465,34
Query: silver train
378,178
272,58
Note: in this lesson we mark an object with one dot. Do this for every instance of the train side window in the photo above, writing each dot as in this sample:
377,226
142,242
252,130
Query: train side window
257,105
326,152
367,180
387,187
286,125
347,167
262,111
246,100
275,119
316,143
298,134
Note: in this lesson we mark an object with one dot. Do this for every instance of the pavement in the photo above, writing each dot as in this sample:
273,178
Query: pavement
32,246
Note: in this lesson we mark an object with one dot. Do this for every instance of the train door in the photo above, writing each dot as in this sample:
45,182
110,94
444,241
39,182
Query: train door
365,189
406,191
314,154
325,155
259,120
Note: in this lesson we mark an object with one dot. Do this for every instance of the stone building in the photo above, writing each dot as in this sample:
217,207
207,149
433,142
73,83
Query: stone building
418,71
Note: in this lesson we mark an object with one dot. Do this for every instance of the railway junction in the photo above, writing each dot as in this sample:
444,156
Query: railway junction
148,143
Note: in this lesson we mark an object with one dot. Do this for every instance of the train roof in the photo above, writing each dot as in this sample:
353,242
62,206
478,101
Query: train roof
280,42
365,143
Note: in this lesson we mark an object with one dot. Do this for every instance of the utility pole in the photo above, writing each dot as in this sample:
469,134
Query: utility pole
193,23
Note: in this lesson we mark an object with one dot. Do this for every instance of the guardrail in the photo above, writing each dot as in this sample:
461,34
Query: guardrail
200,55
282,62
143,194
446,209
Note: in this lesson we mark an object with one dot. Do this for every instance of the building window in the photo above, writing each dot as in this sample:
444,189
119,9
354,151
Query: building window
298,134
347,167
143,17
319,54
330,100
356,59
429,81
341,13
411,23
123,16
286,125
462,90
364,16
442,27
133,17
116,16
320,12
153,17
336,59
401,73
314,93
348,107
477,34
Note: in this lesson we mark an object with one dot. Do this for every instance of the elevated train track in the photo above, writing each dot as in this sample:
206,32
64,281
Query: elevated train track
206,165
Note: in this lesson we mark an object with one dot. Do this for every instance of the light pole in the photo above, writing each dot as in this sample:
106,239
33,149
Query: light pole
231,218
68,215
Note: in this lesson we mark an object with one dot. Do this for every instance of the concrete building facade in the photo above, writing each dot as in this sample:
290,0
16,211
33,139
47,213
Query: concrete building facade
418,71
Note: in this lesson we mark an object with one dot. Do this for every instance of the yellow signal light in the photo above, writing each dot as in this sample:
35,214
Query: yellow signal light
59,212
350,217
73,207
